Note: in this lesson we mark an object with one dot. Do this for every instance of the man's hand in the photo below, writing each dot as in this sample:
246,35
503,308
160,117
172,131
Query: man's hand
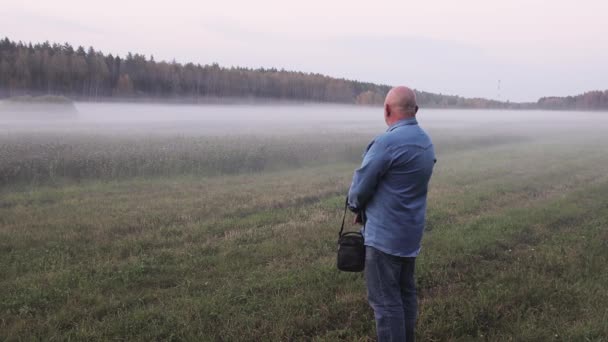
358,219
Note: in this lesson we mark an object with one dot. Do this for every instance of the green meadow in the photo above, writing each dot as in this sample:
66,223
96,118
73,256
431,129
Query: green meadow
186,237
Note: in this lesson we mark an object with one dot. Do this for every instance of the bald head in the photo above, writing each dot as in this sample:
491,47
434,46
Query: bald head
400,103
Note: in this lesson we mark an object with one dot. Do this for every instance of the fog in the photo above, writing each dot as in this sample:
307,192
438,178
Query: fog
284,119
112,141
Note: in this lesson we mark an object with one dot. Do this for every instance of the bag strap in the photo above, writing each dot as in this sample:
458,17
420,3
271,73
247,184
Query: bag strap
343,217
363,218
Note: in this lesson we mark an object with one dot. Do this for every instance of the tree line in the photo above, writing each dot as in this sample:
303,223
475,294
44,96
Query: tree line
87,74
592,100
60,69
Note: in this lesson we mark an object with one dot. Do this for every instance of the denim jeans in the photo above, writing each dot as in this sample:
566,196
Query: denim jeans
391,292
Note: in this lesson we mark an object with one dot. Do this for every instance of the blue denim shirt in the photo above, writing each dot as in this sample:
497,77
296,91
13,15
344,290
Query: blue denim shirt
391,188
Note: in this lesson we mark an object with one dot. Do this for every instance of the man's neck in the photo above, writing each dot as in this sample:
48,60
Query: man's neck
399,118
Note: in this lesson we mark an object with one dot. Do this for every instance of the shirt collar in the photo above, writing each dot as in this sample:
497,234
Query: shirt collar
403,122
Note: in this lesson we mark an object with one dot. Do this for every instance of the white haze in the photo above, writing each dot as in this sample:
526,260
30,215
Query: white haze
285,119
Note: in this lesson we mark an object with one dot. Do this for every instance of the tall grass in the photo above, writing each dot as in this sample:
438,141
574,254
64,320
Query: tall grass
35,158
44,157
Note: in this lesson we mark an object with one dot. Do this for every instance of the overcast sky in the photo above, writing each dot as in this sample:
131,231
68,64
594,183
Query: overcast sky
535,48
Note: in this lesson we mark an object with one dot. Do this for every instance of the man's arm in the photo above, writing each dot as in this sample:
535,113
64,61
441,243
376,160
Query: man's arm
375,164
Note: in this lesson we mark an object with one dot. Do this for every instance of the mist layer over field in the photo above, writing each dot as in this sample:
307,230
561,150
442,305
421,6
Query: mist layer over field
291,118
157,222
113,141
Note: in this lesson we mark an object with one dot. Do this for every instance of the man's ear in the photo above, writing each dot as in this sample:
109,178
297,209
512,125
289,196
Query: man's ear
415,110
387,110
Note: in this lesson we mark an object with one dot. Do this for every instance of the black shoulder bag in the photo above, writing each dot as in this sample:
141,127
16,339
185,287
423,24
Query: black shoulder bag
351,250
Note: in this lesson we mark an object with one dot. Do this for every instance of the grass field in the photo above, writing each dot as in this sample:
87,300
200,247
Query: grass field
516,245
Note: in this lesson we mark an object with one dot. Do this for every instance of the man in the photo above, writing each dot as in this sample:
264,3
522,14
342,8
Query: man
389,191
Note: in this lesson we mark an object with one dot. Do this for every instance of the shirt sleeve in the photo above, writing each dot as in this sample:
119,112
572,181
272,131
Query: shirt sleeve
376,162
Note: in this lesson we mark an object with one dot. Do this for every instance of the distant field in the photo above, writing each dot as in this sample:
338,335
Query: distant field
111,235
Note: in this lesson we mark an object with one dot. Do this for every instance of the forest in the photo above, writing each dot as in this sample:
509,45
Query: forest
591,100
90,75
